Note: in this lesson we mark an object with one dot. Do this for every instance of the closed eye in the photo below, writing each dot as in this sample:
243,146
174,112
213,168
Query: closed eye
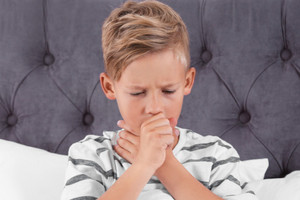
169,91
137,93
143,92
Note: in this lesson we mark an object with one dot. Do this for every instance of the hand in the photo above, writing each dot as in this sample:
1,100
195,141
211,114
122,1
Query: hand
128,143
149,148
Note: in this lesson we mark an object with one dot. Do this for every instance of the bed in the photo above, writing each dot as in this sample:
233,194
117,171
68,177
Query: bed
247,87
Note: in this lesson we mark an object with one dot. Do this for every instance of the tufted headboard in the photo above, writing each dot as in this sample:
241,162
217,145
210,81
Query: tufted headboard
247,87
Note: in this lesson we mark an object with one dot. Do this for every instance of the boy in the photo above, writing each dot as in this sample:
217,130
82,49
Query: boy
146,54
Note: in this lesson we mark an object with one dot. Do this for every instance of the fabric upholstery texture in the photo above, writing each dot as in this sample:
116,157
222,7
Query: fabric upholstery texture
247,87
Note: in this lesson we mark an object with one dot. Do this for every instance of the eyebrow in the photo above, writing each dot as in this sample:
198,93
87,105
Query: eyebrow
135,87
163,86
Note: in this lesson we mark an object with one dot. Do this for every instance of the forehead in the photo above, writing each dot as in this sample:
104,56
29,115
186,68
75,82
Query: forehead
159,67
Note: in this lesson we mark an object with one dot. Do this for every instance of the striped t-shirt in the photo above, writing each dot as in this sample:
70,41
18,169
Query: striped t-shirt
94,167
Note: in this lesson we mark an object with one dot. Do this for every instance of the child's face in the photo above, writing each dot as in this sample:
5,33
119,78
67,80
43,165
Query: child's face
155,83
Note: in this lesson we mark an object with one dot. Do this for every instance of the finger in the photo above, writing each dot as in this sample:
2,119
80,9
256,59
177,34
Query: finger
122,124
176,131
128,146
166,140
126,135
123,153
153,118
163,130
173,123
159,123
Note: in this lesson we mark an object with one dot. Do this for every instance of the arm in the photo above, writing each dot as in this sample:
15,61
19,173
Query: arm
155,137
86,176
83,182
137,175
225,179
182,185
177,180
89,177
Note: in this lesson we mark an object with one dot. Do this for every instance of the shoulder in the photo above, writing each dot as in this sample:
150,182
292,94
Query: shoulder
213,144
92,144
194,137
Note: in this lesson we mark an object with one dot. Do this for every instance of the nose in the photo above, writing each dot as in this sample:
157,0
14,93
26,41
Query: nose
154,104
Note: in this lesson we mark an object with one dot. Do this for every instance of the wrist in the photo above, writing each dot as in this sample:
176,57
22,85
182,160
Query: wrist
170,161
144,169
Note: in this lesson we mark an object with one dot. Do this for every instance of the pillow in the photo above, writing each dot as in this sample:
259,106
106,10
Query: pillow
253,170
28,173
287,188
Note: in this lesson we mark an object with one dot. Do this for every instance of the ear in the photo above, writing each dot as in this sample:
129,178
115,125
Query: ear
189,80
107,86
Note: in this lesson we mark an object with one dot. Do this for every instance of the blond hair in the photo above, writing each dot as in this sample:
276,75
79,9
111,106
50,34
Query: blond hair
138,28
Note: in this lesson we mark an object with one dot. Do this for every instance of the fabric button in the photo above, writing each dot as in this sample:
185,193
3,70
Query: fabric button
285,54
244,117
48,59
206,56
88,119
12,120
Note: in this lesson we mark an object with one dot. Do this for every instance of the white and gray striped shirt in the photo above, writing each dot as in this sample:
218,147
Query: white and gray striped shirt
94,167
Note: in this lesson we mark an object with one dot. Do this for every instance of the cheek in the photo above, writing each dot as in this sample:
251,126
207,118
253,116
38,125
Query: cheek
131,110
173,106
124,106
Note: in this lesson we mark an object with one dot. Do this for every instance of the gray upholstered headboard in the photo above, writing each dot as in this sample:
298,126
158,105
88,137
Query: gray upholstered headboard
247,89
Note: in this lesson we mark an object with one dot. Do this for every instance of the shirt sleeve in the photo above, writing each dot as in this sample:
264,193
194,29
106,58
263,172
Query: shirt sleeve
85,174
225,180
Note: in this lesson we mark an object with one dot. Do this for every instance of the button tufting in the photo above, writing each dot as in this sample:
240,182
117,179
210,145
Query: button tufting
12,120
49,59
88,119
285,54
244,117
206,56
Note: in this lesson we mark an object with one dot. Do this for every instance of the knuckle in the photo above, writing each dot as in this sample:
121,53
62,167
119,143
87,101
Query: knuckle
160,137
123,135
121,142
119,150
169,129
167,139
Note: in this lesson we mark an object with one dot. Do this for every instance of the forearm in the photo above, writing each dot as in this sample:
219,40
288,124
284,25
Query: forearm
181,184
130,184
